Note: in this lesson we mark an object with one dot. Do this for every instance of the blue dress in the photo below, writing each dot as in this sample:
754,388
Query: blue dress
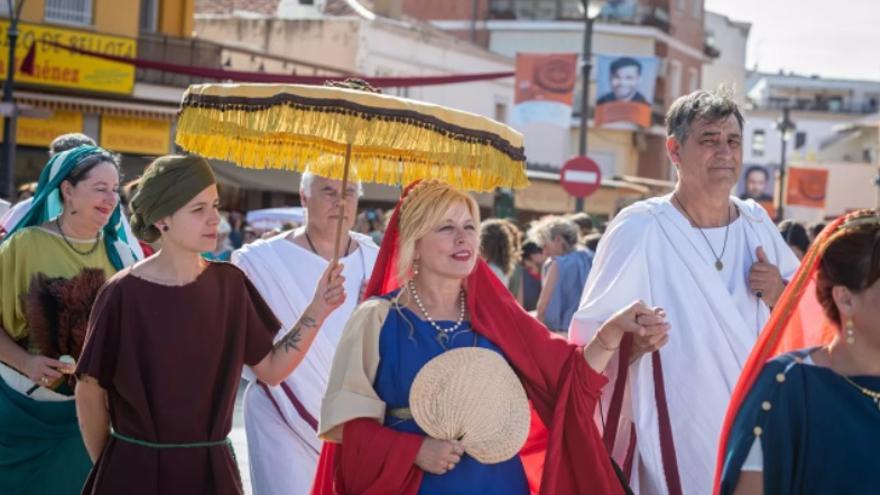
406,343
819,434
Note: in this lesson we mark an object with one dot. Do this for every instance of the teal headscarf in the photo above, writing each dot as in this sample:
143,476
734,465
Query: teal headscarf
47,204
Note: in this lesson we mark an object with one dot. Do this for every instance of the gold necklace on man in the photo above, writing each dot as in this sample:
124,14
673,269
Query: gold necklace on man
719,265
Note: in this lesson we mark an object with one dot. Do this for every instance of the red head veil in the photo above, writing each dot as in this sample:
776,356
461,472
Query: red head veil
569,458
797,322
384,277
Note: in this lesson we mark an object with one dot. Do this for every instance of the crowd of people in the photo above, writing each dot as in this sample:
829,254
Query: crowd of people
689,346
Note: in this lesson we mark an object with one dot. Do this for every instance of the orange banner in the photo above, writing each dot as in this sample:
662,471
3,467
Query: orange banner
768,205
628,111
545,77
806,187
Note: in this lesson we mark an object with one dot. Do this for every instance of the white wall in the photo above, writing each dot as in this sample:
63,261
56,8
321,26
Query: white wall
389,49
817,125
730,68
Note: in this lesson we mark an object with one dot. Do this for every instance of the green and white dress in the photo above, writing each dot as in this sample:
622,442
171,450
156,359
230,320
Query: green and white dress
41,449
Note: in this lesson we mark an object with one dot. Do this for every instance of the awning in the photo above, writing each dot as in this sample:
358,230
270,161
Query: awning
95,105
546,195
275,218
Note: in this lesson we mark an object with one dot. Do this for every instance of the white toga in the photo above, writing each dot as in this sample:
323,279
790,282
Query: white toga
651,252
280,422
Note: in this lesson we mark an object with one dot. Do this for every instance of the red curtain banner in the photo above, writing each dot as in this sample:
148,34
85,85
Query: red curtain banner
262,77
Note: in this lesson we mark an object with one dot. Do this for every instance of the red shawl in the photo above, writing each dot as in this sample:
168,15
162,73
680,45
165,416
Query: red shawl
568,457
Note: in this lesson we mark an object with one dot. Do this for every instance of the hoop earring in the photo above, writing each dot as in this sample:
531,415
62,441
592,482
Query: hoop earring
850,332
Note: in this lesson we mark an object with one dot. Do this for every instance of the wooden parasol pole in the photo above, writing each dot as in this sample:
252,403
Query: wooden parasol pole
342,205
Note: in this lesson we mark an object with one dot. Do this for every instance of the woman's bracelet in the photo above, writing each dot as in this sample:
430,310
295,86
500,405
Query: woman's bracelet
603,345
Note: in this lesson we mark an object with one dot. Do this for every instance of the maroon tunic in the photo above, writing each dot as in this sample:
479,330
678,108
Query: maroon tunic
170,359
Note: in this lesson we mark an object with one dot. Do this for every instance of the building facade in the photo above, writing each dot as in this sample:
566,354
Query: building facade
730,38
671,30
334,39
126,110
835,128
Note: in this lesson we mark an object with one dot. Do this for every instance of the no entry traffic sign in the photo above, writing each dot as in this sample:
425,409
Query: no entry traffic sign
580,176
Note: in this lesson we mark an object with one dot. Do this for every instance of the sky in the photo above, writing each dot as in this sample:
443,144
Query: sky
834,39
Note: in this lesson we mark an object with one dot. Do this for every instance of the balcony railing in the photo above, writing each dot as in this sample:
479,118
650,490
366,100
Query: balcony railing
190,52
212,55
835,106
571,10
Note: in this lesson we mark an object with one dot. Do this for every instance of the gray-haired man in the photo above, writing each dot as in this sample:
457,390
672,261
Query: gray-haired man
717,265
281,422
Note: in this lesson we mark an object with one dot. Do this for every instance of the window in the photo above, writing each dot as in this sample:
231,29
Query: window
697,8
759,142
536,9
681,4
69,11
674,79
501,112
693,80
800,140
835,104
501,9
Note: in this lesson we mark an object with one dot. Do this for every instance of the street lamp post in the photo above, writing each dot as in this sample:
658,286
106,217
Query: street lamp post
7,155
586,67
785,126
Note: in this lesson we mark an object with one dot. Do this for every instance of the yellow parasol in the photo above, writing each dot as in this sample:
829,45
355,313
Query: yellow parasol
336,132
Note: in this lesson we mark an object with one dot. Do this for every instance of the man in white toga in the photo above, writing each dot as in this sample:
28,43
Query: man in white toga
717,265
281,422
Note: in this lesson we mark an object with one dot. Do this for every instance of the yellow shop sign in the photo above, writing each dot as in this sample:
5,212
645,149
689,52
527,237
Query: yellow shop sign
133,135
41,132
58,67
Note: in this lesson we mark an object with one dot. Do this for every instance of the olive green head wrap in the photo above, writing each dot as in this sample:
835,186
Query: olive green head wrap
169,183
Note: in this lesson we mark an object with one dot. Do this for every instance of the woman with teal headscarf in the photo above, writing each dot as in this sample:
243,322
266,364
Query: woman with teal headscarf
51,267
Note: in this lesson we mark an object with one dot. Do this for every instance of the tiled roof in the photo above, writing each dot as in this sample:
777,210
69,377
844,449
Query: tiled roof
339,8
269,7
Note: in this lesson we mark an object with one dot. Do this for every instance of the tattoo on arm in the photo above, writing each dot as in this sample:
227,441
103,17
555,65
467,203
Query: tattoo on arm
294,337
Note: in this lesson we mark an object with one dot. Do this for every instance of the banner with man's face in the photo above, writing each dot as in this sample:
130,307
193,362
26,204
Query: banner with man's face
758,182
625,89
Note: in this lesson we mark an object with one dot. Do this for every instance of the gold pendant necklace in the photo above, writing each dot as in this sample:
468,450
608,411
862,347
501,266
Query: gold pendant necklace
873,394
719,265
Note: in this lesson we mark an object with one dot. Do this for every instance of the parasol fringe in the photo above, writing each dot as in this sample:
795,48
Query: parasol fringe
274,138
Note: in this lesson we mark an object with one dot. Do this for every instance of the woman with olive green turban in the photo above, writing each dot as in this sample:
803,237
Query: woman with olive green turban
166,345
